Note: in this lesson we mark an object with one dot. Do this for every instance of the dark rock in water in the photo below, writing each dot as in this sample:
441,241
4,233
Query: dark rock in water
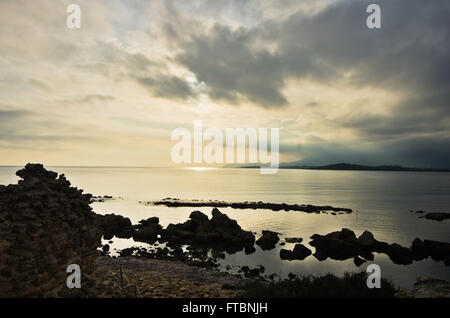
399,254
368,256
438,250
292,276
218,254
116,225
262,269
252,273
249,249
147,230
368,243
437,216
339,245
358,261
293,239
300,252
220,231
250,205
343,244
419,250
105,248
45,225
148,233
268,240
149,221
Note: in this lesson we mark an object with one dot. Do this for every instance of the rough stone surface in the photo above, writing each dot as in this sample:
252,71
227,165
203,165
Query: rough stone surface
430,288
45,225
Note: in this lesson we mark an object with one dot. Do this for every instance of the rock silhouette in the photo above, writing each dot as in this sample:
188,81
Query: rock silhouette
45,225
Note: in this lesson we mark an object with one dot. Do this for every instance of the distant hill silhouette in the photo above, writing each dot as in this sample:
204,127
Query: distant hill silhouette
355,167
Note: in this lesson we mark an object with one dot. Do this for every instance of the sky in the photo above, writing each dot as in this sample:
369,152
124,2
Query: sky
111,92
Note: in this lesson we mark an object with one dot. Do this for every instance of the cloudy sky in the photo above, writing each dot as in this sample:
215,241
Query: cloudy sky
111,92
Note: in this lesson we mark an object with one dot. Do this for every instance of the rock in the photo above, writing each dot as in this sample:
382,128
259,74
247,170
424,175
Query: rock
358,261
399,254
249,249
437,216
105,248
300,252
368,243
368,256
149,221
438,250
147,234
419,250
268,240
45,225
292,276
116,225
366,239
219,232
147,230
430,288
293,240
339,245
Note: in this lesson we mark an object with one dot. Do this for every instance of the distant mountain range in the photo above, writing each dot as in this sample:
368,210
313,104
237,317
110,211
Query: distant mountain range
355,167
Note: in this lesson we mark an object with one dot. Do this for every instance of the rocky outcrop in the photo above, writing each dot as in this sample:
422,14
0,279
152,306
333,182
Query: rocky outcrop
115,225
338,245
293,239
147,231
45,225
268,240
219,231
300,252
173,202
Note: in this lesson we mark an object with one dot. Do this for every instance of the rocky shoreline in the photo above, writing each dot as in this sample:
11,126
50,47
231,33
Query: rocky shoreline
46,224
131,277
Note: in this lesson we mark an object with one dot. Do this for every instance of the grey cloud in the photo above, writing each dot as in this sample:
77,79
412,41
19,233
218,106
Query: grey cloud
167,86
410,52
231,70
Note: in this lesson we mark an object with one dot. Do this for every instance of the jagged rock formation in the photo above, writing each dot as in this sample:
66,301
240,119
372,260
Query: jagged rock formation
45,225
219,231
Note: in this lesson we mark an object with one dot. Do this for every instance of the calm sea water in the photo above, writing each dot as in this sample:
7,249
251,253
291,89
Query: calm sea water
381,202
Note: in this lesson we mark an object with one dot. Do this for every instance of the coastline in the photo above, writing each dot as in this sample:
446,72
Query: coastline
44,209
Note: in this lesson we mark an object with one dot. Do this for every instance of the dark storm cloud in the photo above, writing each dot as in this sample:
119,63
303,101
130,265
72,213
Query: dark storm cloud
224,61
409,53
